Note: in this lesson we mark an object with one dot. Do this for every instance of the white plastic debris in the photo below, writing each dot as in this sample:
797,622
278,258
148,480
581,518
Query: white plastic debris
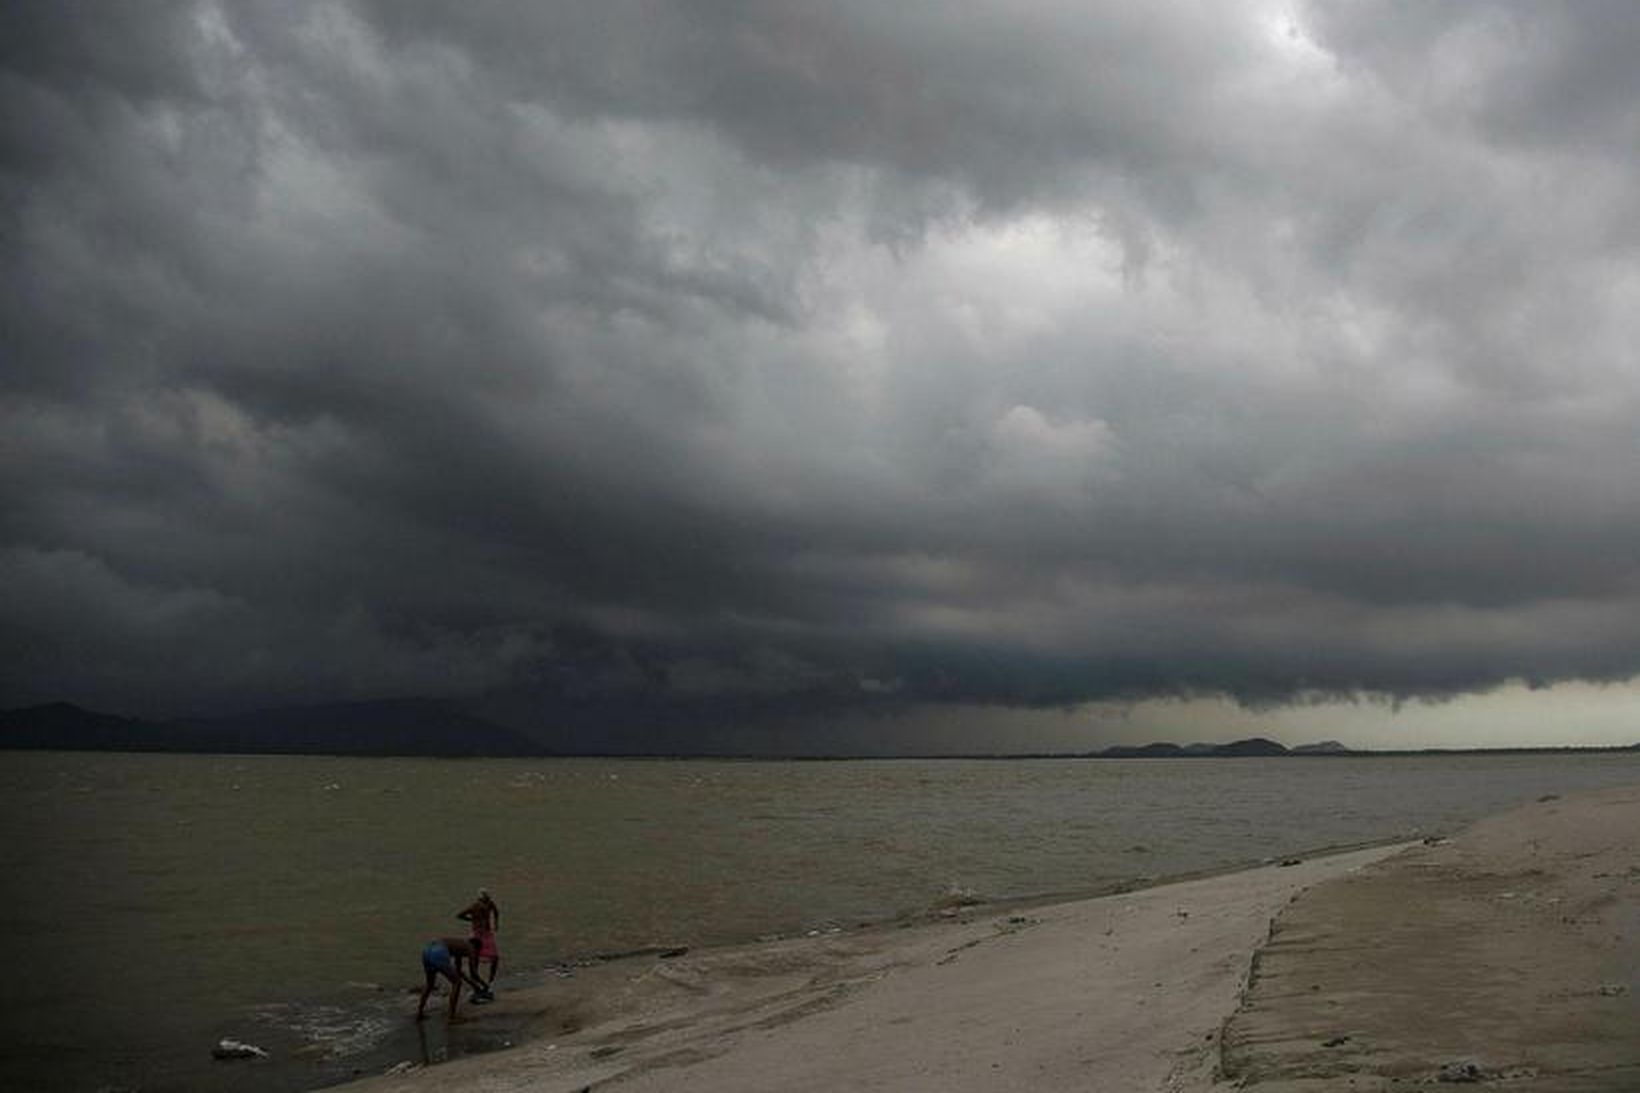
233,1049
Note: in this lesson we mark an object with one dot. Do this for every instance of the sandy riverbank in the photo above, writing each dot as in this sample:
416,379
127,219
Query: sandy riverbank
1511,946
1509,954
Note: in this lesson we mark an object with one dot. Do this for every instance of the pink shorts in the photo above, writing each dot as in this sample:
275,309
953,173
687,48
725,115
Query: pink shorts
486,946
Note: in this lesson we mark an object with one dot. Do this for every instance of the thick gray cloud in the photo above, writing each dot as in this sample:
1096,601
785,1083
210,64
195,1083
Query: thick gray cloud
751,356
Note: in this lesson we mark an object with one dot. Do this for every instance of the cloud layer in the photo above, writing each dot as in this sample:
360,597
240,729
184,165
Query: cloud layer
779,354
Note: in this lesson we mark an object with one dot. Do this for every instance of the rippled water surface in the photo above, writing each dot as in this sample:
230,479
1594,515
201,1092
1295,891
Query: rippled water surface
160,903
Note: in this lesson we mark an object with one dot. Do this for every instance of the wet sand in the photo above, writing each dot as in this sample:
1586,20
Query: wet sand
1507,953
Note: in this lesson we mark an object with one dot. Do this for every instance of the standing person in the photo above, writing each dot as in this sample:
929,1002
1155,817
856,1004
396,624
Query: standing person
444,956
485,917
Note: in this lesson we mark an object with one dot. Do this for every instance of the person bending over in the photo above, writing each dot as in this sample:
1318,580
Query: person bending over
444,956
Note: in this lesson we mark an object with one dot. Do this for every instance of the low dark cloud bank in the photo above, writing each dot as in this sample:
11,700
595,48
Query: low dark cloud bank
741,357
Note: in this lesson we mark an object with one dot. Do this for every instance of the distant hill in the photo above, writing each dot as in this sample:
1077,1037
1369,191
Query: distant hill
64,726
1143,751
1255,746
1324,747
396,727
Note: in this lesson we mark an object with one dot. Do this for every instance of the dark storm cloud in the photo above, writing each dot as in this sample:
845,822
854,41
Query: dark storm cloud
830,354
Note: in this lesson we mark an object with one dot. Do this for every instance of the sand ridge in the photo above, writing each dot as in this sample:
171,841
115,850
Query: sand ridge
1120,992
1509,954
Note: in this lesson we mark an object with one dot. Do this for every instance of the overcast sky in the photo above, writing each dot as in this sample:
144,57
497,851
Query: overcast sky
997,363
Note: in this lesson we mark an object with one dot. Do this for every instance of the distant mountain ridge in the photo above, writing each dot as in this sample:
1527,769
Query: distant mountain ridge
402,727
1252,746
407,727
1324,747
434,727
